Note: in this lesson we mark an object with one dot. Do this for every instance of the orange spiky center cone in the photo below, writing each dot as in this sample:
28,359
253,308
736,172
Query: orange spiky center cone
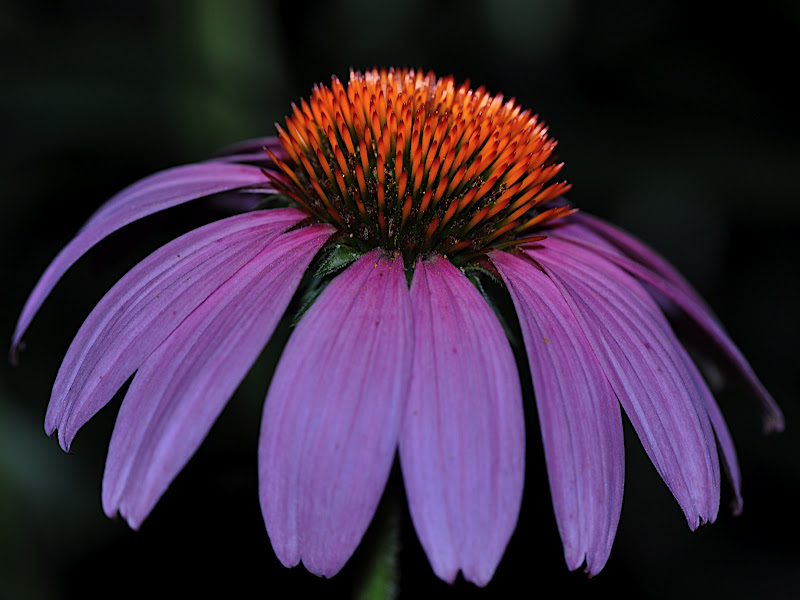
402,160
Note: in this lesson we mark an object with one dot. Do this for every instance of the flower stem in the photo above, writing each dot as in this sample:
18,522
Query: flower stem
378,572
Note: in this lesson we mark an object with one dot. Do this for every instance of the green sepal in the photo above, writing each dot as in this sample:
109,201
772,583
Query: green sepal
273,201
474,273
310,295
332,260
338,257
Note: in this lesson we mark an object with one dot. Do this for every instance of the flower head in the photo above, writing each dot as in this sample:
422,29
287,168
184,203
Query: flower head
410,163
402,191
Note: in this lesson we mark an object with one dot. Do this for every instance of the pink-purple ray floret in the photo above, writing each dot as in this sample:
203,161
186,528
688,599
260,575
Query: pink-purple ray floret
377,367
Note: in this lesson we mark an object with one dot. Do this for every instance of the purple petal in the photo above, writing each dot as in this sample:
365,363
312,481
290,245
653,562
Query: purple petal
146,305
252,150
258,157
462,442
638,251
705,323
729,458
152,194
332,415
667,295
183,386
647,369
578,413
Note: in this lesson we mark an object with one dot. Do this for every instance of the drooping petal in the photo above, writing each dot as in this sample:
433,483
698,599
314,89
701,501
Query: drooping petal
332,415
150,195
253,151
146,305
666,294
578,413
646,367
706,325
639,252
183,386
724,439
462,442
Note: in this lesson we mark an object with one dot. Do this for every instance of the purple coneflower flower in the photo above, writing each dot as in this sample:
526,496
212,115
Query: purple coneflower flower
402,191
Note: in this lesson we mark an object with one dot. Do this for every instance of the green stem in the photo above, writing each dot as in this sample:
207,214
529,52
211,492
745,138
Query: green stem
378,573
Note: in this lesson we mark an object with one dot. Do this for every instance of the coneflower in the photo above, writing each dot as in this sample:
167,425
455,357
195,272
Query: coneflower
404,192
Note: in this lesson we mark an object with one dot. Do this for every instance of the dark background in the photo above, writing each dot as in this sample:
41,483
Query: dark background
677,120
